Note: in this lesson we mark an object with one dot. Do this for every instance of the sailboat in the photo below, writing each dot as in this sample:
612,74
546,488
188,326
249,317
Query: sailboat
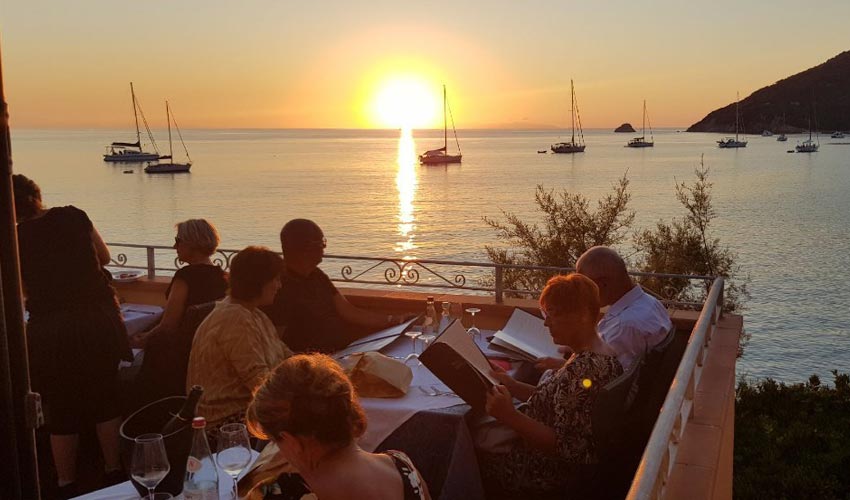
572,146
782,137
132,151
808,146
730,142
440,156
641,142
170,167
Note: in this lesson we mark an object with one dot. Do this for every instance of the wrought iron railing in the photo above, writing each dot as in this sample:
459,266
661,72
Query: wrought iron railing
432,274
659,456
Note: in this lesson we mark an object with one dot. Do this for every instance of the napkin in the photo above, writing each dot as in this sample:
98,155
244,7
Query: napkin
377,376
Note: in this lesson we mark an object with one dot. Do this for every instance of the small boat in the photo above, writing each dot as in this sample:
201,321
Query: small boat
808,146
781,138
766,133
440,156
170,167
541,151
641,142
728,142
572,146
132,151
837,135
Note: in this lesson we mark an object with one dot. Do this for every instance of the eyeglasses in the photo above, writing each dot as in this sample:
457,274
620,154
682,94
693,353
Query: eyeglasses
323,243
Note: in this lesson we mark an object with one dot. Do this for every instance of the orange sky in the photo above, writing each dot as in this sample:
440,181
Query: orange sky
259,64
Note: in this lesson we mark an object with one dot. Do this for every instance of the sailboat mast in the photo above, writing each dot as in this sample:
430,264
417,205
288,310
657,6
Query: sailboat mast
445,123
573,111
136,116
168,119
737,101
643,127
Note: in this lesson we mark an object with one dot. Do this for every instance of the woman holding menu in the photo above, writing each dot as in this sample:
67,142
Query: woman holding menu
555,421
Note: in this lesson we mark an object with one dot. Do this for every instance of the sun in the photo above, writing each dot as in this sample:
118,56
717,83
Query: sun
405,101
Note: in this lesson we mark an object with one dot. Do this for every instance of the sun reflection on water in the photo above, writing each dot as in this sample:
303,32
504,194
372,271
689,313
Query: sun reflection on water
406,182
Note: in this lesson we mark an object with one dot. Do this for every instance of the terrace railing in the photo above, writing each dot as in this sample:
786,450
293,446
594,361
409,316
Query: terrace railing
483,278
659,456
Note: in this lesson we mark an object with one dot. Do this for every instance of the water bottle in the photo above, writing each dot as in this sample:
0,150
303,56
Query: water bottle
432,321
201,481
186,413
445,316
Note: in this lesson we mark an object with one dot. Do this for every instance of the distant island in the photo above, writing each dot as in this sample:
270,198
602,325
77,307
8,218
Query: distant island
626,127
822,93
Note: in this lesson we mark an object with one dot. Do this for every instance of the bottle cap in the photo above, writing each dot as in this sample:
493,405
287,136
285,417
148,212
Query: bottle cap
199,423
430,298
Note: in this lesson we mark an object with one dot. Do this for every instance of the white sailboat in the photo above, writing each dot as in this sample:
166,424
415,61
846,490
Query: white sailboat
641,142
572,146
170,167
440,156
132,151
729,142
782,137
808,146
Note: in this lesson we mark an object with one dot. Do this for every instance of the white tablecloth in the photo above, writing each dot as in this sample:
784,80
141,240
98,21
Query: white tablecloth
139,317
126,491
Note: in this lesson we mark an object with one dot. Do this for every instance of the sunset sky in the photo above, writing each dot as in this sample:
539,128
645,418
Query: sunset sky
380,64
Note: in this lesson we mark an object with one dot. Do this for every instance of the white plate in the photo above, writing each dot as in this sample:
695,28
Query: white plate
126,275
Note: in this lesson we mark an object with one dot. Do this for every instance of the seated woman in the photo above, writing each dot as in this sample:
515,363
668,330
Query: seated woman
237,345
199,282
309,408
554,424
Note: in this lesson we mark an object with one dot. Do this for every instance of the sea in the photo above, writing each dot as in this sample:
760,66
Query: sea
785,214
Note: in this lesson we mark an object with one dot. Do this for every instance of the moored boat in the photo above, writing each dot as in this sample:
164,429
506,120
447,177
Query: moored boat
641,142
170,167
729,142
440,156
573,146
132,151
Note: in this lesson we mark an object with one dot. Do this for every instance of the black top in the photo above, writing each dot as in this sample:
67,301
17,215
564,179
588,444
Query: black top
59,265
207,282
305,306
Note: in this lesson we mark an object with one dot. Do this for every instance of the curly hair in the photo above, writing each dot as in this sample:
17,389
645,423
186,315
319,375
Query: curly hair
571,292
27,197
307,395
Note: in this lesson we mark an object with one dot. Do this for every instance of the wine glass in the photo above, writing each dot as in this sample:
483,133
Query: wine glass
473,330
413,334
149,464
234,451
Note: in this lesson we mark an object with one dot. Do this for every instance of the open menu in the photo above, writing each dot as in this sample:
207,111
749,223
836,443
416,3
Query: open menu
526,335
375,341
456,360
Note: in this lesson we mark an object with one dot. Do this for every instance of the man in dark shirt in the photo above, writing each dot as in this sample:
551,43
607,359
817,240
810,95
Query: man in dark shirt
309,311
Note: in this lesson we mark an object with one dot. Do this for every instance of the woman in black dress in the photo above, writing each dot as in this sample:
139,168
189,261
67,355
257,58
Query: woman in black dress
199,282
76,336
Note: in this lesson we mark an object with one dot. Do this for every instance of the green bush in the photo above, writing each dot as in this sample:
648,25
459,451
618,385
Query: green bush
792,441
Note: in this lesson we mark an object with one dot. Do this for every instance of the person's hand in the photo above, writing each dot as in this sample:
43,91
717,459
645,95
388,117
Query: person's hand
549,363
499,404
501,375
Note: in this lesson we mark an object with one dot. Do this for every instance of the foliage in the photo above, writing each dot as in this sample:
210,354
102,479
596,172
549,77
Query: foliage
686,246
569,228
792,441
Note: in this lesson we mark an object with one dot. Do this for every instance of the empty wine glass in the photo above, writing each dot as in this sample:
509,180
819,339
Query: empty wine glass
234,451
473,330
413,334
149,464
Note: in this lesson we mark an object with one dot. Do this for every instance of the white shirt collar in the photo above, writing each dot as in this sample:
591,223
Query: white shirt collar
625,301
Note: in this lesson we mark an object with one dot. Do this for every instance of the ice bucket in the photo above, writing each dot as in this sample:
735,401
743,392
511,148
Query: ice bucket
151,419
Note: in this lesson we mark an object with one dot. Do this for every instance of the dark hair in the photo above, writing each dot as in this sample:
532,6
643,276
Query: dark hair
307,395
27,197
295,233
571,292
251,269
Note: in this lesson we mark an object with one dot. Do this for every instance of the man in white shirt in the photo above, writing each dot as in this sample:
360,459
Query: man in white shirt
636,321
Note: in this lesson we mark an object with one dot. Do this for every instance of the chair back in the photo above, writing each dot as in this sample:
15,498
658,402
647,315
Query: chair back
611,409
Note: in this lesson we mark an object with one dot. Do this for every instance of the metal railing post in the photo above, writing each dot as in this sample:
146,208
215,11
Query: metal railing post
151,263
499,284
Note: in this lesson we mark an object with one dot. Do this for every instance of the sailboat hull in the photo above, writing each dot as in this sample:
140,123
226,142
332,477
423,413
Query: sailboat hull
731,143
130,157
167,168
566,147
439,159
639,142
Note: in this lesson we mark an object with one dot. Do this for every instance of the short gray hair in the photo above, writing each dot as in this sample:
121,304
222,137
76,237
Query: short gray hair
198,233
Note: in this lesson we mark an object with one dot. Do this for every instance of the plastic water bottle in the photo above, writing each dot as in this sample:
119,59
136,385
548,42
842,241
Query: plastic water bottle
201,481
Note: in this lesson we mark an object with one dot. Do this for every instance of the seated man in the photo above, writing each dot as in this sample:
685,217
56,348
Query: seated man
309,311
636,321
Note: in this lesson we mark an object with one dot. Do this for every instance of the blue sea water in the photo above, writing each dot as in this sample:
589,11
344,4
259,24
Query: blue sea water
786,215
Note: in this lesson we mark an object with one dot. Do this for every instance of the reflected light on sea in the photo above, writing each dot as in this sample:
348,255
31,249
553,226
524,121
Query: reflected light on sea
406,182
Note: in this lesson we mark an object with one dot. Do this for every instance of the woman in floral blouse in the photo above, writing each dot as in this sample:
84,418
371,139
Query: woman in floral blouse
555,421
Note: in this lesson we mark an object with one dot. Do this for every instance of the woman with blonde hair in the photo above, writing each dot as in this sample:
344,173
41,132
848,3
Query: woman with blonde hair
309,408
555,421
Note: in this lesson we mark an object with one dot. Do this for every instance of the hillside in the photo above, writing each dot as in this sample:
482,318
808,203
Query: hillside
826,88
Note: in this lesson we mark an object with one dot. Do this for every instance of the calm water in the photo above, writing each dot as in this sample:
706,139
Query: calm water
787,215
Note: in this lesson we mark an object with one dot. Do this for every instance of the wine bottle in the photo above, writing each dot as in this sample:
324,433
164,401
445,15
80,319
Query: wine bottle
201,481
186,413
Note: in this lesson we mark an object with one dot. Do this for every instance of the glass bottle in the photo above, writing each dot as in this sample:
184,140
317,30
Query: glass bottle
201,481
432,321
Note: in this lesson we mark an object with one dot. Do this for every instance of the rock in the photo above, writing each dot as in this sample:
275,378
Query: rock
626,127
